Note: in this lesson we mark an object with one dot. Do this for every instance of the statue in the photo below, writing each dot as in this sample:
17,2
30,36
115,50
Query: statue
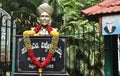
43,29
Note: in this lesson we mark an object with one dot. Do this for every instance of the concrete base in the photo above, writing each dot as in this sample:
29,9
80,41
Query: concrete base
43,74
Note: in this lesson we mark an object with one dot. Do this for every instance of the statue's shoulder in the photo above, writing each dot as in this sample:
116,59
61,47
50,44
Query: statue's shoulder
55,29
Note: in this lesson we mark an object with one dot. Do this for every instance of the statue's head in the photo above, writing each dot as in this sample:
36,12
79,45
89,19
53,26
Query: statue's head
45,12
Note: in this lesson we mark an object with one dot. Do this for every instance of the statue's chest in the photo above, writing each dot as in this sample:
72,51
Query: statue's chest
43,31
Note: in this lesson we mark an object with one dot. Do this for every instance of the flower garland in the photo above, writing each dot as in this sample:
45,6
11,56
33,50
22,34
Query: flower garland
53,46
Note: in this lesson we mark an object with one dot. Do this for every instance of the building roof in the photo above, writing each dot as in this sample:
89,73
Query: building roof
105,7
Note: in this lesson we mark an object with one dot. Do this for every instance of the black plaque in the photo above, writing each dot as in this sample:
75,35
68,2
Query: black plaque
40,46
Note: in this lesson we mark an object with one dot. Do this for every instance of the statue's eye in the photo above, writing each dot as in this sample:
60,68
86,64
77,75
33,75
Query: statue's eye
44,16
47,16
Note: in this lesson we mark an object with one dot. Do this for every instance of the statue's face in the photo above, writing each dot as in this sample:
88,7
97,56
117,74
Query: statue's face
44,18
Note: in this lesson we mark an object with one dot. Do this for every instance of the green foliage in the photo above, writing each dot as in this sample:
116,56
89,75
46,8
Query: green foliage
25,10
84,45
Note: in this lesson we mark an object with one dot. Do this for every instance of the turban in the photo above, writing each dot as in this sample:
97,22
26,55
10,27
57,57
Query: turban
45,8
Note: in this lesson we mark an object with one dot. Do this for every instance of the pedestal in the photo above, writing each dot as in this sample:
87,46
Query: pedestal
40,46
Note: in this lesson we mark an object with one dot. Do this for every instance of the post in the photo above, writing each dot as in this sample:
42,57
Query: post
115,55
111,56
108,57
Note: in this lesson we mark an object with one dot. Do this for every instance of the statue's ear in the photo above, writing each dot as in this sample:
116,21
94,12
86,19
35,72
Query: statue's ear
38,20
50,22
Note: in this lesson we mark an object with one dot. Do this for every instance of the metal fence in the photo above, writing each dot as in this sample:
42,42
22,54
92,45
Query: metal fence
85,52
85,56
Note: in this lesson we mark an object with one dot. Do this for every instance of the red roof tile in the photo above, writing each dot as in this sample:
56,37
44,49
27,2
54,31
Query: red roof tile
107,6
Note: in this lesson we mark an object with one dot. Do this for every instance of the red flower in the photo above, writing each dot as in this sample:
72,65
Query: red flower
38,27
47,60
38,63
49,28
31,54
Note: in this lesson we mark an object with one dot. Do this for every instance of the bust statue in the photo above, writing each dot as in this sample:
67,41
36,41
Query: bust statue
44,27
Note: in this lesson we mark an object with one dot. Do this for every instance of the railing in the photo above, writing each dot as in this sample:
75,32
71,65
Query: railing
5,43
85,52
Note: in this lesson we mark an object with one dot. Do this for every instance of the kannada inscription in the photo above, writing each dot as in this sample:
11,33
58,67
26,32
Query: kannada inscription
40,46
